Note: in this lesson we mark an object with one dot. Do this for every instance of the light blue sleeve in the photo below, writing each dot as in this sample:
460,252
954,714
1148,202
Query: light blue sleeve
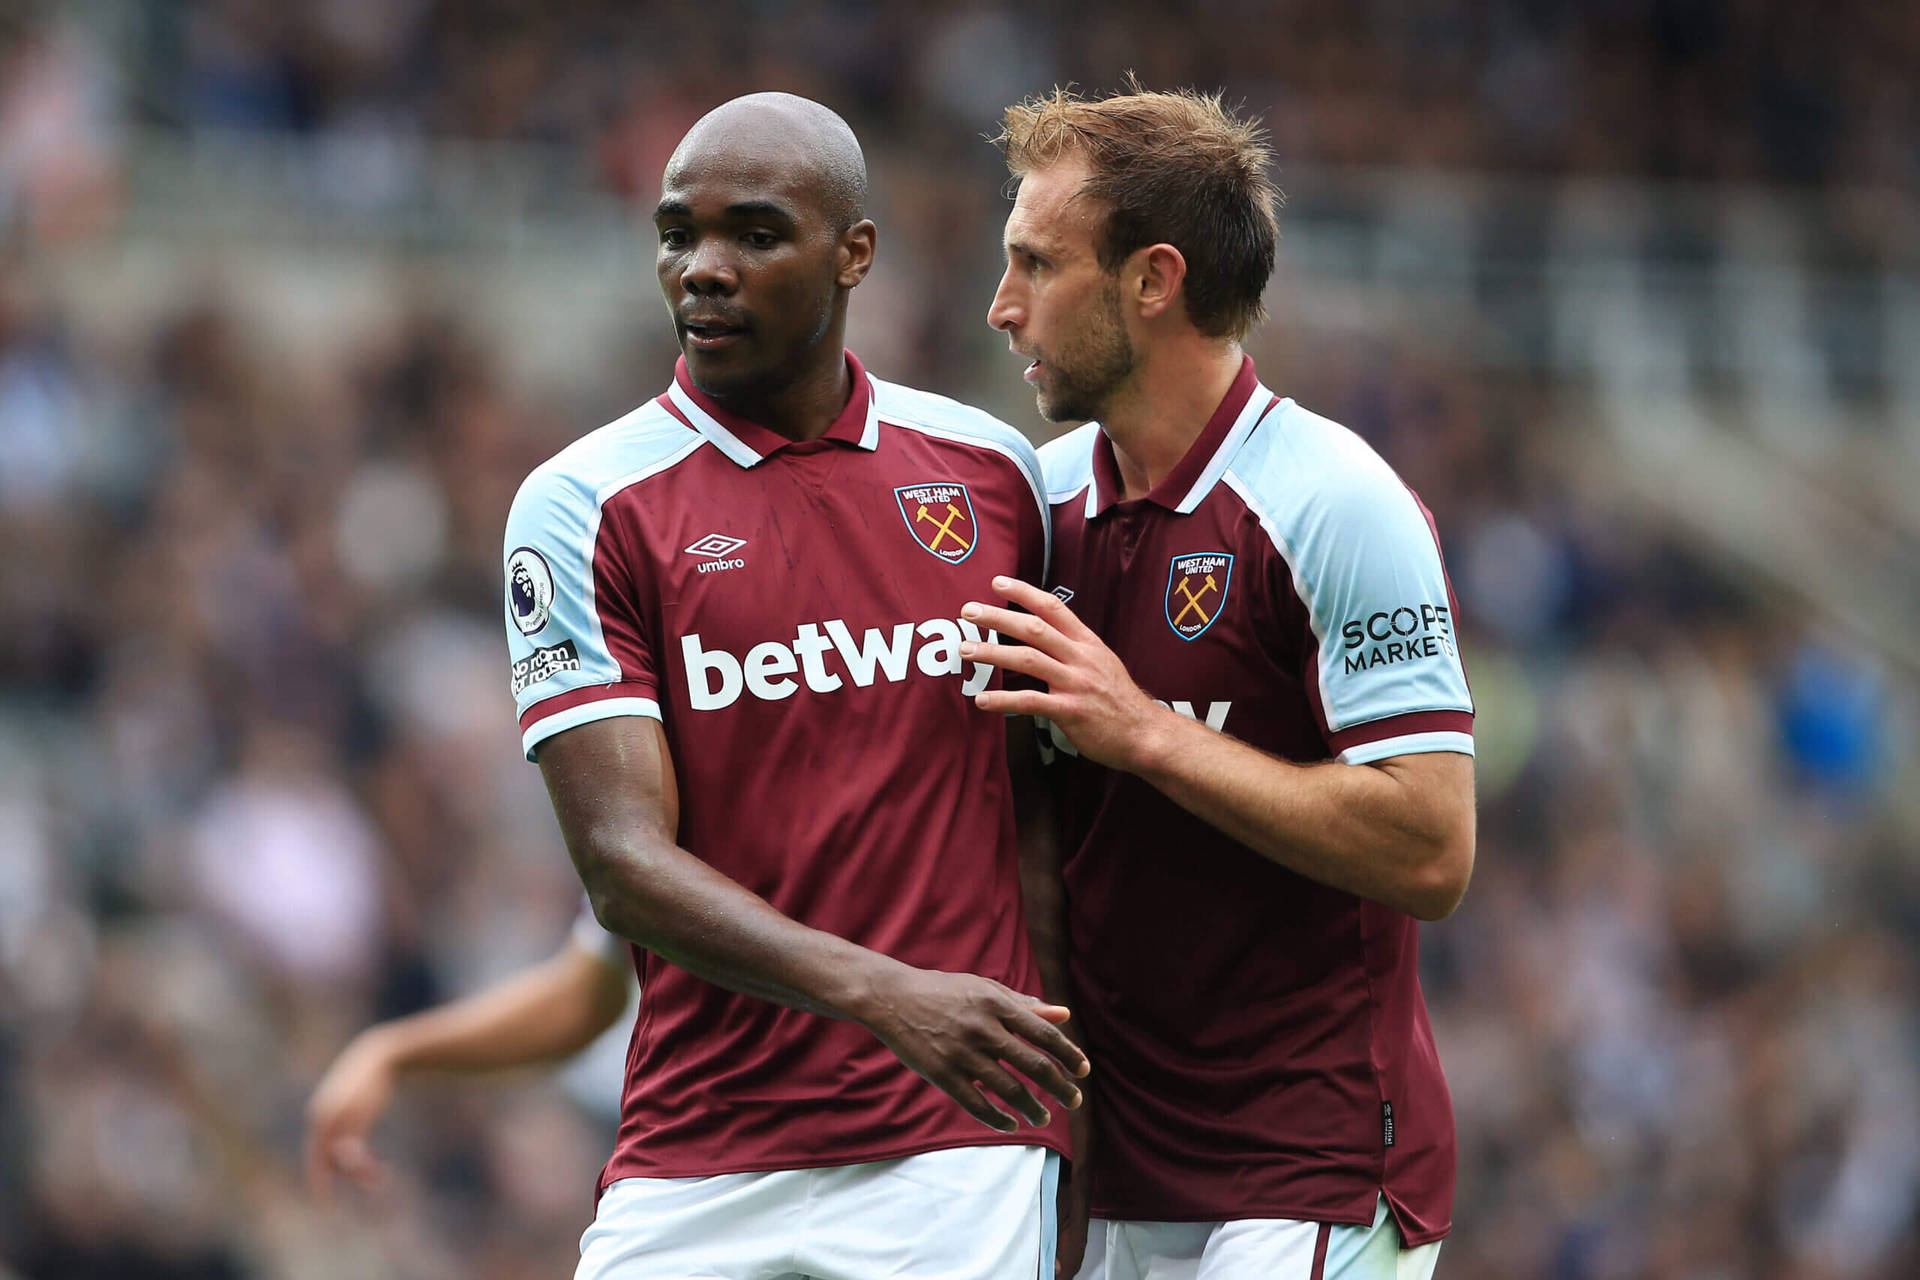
565,672
1366,563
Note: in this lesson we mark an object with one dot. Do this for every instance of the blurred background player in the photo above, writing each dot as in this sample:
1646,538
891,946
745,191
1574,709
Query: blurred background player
733,617
292,297
1270,1100
544,1015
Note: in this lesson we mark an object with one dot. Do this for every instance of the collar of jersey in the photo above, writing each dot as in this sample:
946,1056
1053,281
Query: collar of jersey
1205,460
748,443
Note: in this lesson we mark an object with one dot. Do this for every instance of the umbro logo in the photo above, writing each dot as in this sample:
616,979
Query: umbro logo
717,548
716,545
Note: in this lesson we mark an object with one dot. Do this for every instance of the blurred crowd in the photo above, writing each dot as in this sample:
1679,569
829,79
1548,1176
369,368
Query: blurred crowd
1749,91
260,783
1703,89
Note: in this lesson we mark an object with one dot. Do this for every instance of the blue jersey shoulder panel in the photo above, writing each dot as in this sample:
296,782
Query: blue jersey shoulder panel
1365,563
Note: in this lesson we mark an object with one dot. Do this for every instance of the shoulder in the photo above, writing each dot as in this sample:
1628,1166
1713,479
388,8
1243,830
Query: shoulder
943,417
1311,479
1067,461
583,475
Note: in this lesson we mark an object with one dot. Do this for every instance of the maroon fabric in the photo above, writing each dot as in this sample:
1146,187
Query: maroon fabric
1246,1024
879,813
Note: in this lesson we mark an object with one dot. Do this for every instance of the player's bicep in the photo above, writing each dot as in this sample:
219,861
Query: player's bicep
1443,780
1435,806
613,787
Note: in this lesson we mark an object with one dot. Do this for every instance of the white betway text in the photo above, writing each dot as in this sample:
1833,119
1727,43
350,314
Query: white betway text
777,669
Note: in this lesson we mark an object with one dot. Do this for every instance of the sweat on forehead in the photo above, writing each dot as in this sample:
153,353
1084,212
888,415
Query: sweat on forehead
783,137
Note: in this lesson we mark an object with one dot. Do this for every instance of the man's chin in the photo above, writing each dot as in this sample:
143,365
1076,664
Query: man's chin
719,373
1055,410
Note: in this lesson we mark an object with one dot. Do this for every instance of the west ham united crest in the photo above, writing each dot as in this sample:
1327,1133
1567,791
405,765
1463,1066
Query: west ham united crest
1196,589
940,517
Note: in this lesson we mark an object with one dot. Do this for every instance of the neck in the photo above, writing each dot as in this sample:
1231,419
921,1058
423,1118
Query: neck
805,407
1166,405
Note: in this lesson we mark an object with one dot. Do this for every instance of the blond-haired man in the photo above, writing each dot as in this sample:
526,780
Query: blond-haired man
1264,726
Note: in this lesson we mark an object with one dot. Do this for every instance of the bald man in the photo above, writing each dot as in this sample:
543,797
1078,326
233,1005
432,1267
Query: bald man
734,622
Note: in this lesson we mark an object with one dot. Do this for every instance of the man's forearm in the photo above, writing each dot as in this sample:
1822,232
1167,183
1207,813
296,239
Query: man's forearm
615,796
673,904
1399,832
1372,831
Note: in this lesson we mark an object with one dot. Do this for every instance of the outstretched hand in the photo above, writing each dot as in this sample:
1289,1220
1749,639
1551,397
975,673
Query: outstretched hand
1089,695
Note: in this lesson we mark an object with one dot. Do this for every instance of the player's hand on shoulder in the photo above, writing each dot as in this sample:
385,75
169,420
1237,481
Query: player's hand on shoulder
970,1035
341,1114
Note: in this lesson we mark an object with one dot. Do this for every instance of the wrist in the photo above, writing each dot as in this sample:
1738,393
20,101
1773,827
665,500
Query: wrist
385,1049
1154,744
855,986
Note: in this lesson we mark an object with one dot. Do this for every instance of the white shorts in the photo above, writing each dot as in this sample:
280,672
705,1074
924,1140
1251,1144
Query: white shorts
969,1213
1254,1249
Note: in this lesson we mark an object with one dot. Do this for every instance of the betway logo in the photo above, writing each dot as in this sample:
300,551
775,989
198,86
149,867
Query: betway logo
716,678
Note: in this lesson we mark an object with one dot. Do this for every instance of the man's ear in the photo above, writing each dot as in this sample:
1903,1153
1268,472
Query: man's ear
856,253
1156,275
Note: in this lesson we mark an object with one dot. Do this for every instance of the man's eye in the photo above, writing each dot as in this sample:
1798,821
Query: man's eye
675,238
762,239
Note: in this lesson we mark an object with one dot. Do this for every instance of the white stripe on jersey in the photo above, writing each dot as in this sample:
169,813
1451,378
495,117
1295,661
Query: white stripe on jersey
587,712
1251,415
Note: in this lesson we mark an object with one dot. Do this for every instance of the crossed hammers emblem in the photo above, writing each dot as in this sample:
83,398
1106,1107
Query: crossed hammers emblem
1193,600
942,529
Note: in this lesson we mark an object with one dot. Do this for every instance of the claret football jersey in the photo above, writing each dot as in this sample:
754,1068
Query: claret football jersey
1261,1043
789,612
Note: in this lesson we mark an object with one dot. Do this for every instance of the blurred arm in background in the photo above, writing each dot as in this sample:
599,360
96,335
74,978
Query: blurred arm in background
545,1014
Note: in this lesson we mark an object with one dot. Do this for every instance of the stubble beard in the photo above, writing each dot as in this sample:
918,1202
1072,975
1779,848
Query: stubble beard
1092,363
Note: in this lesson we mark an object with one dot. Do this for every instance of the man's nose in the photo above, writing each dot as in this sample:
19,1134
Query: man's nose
1006,311
709,270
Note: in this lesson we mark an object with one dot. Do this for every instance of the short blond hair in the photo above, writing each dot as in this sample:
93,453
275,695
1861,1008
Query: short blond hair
1180,168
